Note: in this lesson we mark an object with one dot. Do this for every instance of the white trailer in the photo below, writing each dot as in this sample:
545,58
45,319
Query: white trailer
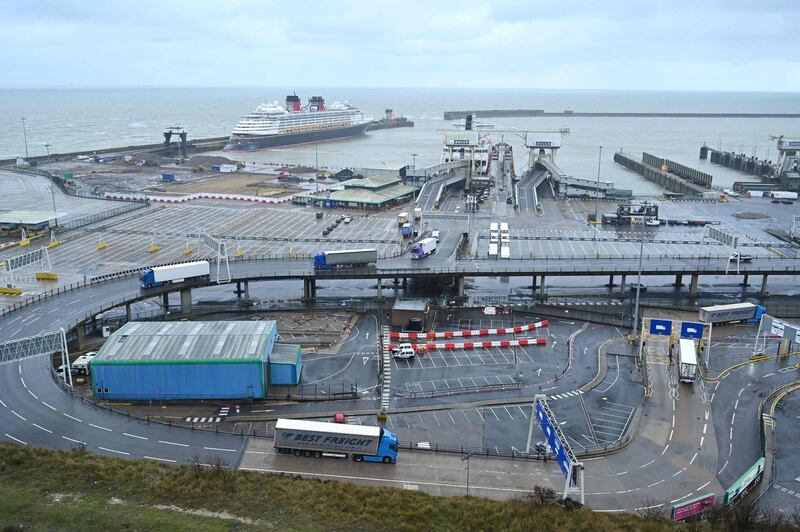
402,219
783,194
505,252
315,438
493,250
174,273
687,361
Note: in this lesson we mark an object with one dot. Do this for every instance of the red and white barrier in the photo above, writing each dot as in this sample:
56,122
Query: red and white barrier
465,334
476,345
197,196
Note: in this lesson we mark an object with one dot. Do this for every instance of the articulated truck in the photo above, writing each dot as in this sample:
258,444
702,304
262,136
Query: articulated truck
174,273
349,258
746,312
423,248
317,438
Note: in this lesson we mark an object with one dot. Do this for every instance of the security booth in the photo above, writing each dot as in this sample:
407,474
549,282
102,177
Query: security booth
411,314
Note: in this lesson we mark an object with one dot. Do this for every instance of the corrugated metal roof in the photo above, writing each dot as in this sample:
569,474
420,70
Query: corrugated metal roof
29,217
420,305
162,342
285,353
355,195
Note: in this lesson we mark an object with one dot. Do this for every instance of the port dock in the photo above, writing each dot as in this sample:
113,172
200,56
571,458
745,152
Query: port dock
501,113
661,171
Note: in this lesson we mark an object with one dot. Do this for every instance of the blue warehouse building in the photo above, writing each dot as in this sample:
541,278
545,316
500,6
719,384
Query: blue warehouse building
185,361
285,365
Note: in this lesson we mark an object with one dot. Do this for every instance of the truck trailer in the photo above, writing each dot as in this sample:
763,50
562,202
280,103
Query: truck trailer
687,361
423,248
783,194
317,438
174,273
746,312
330,260
402,219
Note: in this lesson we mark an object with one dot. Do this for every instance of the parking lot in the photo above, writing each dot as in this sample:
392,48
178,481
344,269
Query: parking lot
253,230
443,385
445,358
587,244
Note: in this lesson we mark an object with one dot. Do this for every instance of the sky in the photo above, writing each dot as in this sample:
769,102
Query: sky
732,45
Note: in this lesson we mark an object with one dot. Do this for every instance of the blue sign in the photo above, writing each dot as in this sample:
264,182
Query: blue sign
459,141
692,330
328,204
543,143
553,440
662,327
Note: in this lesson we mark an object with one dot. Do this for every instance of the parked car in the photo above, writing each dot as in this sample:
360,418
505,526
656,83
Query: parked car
348,219
776,201
641,287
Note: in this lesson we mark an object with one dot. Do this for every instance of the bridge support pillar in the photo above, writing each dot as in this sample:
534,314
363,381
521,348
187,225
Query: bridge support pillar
764,284
309,289
460,286
186,301
622,284
693,284
380,288
745,279
238,290
533,283
610,281
247,290
80,336
165,303
542,285
678,280
128,313
405,283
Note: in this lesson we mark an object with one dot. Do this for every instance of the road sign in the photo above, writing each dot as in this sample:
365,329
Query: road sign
776,327
751,477
721,236
692,330
662,327
553,440
693,507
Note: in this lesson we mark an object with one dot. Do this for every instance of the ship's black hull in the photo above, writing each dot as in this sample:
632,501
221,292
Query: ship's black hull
242,143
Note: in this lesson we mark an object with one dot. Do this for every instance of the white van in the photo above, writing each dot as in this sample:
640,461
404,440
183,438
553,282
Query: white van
435,234
404,351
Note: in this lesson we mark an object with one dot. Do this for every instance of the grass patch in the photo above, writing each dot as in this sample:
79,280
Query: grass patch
77,490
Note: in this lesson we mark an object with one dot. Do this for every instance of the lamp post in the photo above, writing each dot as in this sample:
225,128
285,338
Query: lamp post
25,137
597,188
414,166
638,283
466,459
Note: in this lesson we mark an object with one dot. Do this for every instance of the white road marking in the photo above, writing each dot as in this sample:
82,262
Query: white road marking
33,395
219,449
679,472
656,483
704,485
692,460
134,436
670,434
665,450
647,464
733,418
23,383
48,406
2,403
42,428
73,418
74,441
19,416
173,443
15,439
723,468
99,427
160,459
113,451
705,426
702,439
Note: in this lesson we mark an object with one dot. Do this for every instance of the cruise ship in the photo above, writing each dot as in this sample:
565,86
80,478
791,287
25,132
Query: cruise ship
272,125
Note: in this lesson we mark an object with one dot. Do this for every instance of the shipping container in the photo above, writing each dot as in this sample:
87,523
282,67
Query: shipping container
782,194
